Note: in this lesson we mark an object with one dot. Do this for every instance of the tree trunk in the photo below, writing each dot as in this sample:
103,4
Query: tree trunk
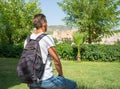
78,54
9,35
10,39
78,59
90,37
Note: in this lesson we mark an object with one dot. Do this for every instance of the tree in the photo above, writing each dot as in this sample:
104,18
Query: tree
97,17
79,39
16,19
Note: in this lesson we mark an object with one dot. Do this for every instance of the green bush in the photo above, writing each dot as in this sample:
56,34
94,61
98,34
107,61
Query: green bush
97,52
90,52
8,50
65,51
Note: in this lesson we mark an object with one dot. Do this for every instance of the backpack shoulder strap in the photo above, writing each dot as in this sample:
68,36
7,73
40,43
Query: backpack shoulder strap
40,37
28,38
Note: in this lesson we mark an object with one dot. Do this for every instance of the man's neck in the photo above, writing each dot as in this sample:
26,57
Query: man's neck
40,30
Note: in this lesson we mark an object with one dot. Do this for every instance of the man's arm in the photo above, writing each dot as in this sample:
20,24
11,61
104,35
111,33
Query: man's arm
56,59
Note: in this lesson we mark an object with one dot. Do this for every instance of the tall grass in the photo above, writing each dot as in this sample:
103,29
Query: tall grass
88,75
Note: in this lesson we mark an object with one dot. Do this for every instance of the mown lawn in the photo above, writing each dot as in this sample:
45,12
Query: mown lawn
88,75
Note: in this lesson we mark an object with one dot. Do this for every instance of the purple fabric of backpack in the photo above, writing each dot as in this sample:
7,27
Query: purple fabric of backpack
30,66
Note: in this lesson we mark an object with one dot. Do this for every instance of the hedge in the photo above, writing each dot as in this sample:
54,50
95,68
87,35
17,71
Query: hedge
89,52
97,52
13,51
65,51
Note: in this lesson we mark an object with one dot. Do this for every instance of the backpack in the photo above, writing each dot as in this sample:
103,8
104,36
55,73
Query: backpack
30,66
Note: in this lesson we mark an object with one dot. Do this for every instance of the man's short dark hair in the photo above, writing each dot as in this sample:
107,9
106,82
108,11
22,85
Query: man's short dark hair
38,20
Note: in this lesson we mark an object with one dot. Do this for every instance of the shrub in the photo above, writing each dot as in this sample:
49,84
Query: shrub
100,52
89,52
65,51
8,50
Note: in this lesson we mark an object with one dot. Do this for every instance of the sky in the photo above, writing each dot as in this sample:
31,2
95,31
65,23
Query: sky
53,12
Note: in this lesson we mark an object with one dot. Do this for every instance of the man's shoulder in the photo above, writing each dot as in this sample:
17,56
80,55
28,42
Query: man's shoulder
49,37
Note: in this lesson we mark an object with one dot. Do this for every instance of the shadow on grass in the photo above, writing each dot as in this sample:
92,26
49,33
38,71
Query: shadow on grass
8,75
8,80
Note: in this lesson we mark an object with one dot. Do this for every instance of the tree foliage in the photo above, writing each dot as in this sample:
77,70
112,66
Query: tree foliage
97,17
16,19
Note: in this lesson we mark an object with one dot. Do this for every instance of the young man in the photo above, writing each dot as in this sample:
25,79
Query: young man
47,46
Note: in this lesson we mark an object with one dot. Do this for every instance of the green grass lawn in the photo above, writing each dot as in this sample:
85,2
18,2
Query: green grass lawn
88,75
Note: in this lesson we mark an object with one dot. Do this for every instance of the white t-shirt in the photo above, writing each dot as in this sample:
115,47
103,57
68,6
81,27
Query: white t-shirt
45,43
